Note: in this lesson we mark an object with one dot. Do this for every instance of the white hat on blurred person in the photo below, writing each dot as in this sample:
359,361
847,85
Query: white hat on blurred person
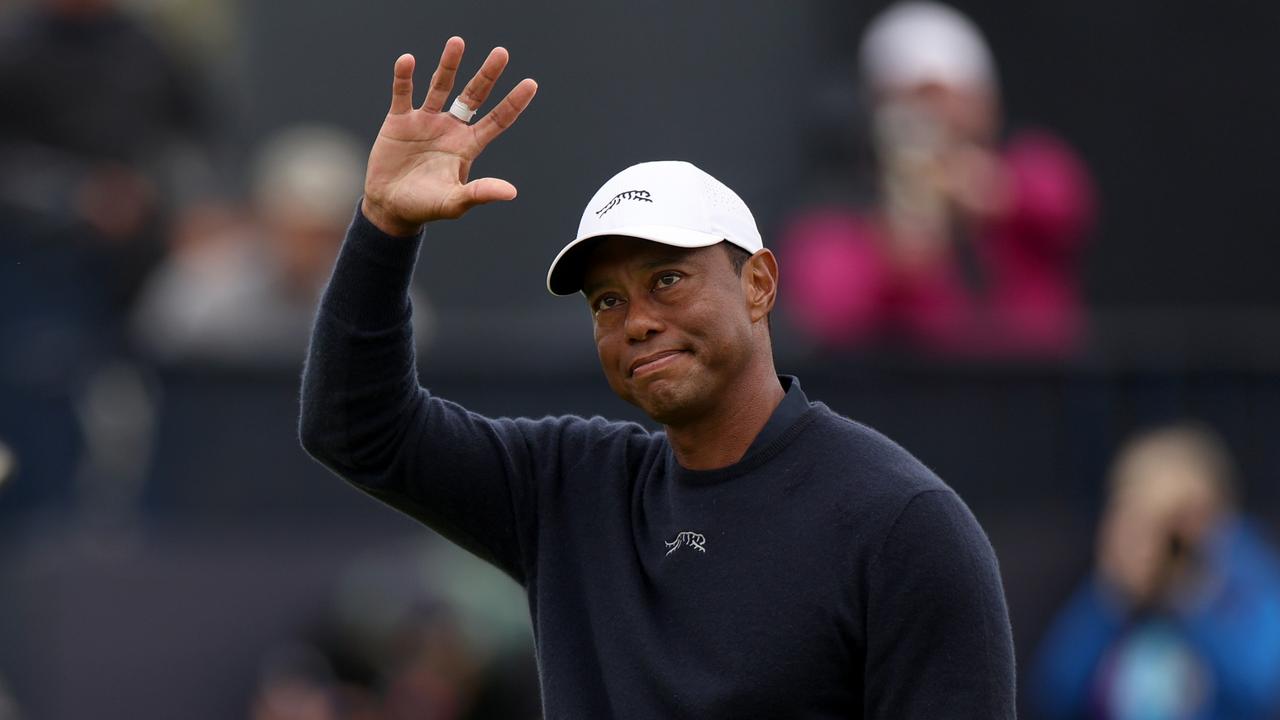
668,201
309,171
917,42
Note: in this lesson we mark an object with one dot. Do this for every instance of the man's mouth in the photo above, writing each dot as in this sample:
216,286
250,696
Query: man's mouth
653,362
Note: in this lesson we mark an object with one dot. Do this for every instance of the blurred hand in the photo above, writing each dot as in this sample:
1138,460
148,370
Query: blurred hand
1131,551
975,181
1153,528
420,163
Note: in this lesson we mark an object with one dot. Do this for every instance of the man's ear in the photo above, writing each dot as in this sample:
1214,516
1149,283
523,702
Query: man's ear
760,276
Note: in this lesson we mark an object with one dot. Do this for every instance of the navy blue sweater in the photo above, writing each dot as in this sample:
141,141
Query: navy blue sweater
827,574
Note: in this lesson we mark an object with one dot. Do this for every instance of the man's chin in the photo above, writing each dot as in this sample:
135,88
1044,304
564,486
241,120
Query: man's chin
669,403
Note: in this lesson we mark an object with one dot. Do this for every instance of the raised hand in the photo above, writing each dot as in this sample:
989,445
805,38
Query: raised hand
419,164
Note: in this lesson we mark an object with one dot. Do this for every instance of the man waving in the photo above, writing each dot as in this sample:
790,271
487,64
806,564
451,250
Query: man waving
762,557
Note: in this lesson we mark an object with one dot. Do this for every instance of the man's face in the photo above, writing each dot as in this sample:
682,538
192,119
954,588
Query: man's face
672,326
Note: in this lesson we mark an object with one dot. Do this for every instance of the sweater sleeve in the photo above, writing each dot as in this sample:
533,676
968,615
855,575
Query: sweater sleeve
939,642
364,415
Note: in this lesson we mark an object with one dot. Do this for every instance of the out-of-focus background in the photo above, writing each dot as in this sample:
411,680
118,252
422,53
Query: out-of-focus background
1011,241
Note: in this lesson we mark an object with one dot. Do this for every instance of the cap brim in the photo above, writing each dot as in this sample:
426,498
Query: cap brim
565,275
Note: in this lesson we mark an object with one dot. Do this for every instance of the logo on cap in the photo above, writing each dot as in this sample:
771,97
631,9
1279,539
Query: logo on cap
641,195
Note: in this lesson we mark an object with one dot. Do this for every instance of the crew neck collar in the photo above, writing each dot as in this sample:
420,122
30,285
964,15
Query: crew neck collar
781,428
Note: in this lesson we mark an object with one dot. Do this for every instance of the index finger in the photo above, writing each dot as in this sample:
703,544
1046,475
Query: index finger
506,112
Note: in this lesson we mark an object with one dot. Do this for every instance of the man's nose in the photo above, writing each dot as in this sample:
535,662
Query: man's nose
643,318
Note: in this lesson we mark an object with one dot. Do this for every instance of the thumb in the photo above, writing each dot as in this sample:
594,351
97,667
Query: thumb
487,190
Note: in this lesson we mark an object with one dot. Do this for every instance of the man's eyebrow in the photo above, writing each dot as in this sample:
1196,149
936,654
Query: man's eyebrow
589,288
664,260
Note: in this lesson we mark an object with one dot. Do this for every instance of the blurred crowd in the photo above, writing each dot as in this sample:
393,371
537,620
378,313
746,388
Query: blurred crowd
133,237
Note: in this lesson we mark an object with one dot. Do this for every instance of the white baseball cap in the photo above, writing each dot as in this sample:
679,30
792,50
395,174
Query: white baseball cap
668,201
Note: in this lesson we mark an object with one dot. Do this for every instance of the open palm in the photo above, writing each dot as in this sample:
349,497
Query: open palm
420,163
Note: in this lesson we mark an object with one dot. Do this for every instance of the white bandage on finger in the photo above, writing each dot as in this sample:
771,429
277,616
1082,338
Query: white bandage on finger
461,111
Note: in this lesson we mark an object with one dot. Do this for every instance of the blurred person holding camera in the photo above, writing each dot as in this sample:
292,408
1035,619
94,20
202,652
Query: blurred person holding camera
972,245
1181,618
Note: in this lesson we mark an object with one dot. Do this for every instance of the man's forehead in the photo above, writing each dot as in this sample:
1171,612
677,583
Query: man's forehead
623,253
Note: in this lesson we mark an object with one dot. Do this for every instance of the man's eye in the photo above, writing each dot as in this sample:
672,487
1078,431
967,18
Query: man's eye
667,280
607,302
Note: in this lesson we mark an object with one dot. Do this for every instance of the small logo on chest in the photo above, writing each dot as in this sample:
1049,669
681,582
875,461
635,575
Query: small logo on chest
697,541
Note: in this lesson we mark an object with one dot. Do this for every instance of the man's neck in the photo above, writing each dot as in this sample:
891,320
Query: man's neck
722,437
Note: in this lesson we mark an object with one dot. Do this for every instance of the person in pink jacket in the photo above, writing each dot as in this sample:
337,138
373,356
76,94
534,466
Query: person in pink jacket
973,246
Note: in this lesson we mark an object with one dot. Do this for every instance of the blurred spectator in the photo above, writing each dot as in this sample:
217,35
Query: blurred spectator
436,645
98,124
433,670
971,247
1181,618
451,642
241,289
436,670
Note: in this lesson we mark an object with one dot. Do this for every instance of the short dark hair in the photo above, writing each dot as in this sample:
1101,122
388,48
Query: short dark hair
737,256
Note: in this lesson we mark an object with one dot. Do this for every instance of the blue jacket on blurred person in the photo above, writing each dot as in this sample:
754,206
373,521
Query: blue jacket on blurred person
1182,618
